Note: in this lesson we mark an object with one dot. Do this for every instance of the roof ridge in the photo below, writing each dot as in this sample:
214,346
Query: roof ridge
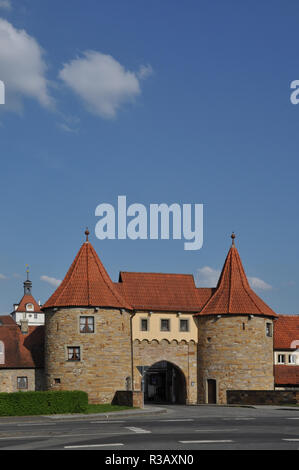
108,284
73,265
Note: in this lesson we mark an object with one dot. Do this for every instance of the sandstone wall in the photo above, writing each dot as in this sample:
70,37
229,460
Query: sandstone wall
182,354
105,361
8,379
235,351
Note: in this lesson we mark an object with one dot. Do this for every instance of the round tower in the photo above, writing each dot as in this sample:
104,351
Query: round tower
235,337
87,331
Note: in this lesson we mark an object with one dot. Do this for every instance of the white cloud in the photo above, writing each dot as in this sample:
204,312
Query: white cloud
102,82
22,68
145,71
51,280
2,276
257,283
208,277
5,4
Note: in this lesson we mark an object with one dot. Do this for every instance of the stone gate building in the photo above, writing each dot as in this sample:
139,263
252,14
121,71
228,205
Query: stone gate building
159,332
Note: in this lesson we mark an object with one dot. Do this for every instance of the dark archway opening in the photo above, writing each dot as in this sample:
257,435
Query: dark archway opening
164,382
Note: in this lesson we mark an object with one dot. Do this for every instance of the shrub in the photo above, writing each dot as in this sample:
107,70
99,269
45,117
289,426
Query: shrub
36,403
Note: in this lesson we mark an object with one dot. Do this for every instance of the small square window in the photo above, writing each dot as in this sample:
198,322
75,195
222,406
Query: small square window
144,324
86,324
57,381
22,383
184,325
165,325
73,353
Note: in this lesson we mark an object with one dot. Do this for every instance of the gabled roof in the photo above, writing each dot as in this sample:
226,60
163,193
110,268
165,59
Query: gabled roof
233,294
21,350
28,299
286,332
86,284
162,292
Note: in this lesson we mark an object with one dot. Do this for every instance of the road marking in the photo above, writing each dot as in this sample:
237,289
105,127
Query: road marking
292,418
175,420
94,445
139,430
205,442
292,440
23,437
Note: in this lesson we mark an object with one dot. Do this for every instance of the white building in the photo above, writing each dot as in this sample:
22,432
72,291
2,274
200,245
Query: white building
28,309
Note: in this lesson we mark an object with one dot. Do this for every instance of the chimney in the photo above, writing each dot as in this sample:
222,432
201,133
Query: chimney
24,327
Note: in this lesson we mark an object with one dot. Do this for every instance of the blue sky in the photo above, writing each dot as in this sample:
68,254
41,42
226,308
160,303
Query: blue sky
192,106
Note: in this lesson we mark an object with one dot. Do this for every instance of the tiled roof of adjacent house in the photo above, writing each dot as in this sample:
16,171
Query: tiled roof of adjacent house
21,350
165,292
233,294
87,284
286,375
286,332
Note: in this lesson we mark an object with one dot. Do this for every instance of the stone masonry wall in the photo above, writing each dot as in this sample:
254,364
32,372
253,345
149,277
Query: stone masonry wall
235,351
105,354
8,379
182,354
261,397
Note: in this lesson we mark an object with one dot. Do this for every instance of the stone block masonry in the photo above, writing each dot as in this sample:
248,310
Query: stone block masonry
104,365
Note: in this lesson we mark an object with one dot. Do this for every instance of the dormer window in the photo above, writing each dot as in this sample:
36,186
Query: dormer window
29,307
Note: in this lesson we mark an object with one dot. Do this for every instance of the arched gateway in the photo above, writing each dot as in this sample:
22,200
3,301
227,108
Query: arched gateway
164,382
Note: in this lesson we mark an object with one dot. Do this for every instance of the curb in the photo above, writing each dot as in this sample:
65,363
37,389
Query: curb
125,413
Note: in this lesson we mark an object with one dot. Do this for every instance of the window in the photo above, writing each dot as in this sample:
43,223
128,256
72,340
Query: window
268,329
184,325
35,316
57,381
292,358
144,324
2,361
86,324
22,383
165,325
281,359
73,353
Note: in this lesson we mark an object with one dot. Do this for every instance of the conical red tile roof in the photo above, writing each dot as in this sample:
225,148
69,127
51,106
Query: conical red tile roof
233,294
86,284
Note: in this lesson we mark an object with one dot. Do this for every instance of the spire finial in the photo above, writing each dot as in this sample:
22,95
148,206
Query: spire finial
86,233
27,271
233,236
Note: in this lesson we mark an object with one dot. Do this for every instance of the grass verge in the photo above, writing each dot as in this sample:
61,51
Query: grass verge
106,408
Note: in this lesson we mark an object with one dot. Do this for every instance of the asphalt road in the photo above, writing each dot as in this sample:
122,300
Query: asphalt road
180,428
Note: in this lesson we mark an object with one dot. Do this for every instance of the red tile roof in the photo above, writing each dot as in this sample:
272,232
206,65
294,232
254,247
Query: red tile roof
86,284
21,350
233,294
286,375
286,332
28,299
159,291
